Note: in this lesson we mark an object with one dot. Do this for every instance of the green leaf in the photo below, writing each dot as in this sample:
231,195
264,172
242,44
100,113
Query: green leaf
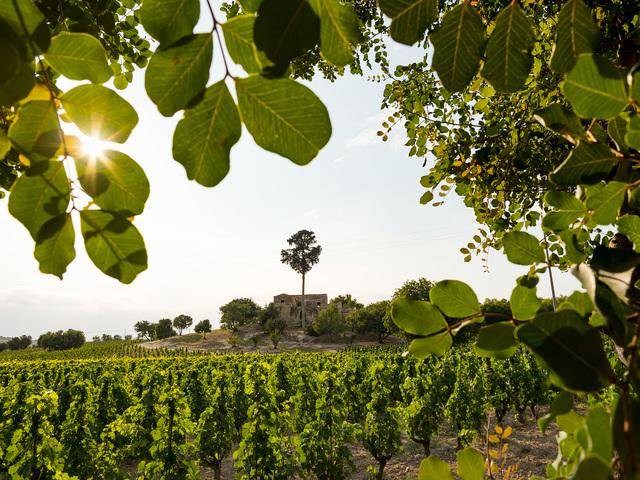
21,14
436,344
204,137
576,33
558,118
561,405
454,298
524,303
523,248
605,202
9,61
595,88
19,85
5,144
592,467
340,30
632,131
114,181
568,209
417,317
629,225
79,56
169,20
579,302
574,245
496,340
470,464
113,244
432,468
250,6
613,310
35,132
284,117
238,37
284,30
55,245
458,47
409,18
100,112
598,425
570,349
176,75
509,59
39,194
587,163
617,130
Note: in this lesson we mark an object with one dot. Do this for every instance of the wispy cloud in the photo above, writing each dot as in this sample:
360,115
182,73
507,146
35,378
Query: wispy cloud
368,136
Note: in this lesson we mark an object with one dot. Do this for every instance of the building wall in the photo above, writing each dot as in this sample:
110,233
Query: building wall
290,306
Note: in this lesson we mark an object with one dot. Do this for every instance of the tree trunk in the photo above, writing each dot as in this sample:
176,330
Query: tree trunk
217,470
381,464
304,306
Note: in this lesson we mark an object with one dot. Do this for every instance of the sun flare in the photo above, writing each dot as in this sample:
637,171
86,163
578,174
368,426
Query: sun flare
92,146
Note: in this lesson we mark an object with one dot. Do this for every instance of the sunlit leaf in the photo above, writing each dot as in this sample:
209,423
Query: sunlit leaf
339,30
409,18
587,163
169,20
496,340
567,209
35,132
523,248
436,344
55,245
524,303
238,37
417,317
432,468
606,202
454,298
79,56
471,464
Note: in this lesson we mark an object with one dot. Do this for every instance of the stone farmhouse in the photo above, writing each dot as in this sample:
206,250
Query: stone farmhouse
290,307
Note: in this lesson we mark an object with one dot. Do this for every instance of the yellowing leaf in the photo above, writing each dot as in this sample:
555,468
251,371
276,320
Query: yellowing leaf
494,439
507,432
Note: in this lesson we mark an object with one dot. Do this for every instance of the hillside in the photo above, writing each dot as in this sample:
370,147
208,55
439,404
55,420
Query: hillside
292,340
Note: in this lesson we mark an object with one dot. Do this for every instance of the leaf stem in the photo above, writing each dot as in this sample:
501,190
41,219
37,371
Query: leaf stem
216,30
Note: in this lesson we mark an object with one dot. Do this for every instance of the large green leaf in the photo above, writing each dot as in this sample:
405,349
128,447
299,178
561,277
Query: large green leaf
458,47
114,181
523,248
417,317
567,209
606,201
576,33
113,244
595,88
176,75
340,30
509,58
558,118
79,56
284,30
524,303
436,344
169,20
35,132
570,348
454,298
629,225
561,405
100,112
632,131
250,6
432,468
617,129
21,15
19,85
579,302
496,340
592,467
284,117
55,245
587,163
238,37
204,137
41,193
471,465
409,18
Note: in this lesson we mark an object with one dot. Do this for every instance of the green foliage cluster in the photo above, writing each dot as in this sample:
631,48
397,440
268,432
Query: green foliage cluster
239,312
61,340
16,343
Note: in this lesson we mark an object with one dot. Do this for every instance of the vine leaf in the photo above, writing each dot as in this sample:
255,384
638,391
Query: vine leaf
340,30
113,244
509,58
238,37
458,47
204,137
39,194
522,248
587,163
284,117
114,181
284,30
576,33
417,317
595,88
496,340
409,18
79,56
169,20
570,348
454,298
176,75
100,112
35,132
55,245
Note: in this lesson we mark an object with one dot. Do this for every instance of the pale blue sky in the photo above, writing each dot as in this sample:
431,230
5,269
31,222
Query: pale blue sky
207,246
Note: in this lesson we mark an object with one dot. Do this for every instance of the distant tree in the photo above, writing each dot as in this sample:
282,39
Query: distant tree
203,326
301,257
347,301
106,337
95,338
127,337
145,329
164,329
268,313
117,337
275,327
239,312
415,289
3,346
19,343
182,322
371,319
329,322
61,340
